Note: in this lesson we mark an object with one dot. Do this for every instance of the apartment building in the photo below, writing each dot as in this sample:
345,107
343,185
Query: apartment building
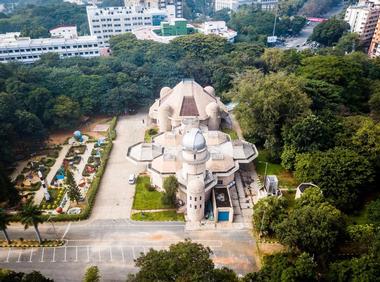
176,5
374,48
107,22
64,41
266,5
362,18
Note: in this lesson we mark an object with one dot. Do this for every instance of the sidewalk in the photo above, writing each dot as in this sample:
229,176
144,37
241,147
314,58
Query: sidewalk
53,170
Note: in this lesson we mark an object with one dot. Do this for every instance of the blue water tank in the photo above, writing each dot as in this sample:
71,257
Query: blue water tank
78,135
223,216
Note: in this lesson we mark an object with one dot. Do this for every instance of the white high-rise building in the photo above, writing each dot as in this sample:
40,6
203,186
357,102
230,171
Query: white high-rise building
64,41
363,17
266,5
158,4
107,22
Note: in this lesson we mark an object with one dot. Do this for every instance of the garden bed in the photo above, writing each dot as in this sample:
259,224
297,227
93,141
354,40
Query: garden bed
150,133
31,243
56,196
158,216
145,199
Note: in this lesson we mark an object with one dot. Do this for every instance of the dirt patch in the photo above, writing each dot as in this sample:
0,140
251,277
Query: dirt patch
59,137
270,248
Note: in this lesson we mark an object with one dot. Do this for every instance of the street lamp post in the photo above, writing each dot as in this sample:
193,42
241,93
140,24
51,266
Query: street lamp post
51,222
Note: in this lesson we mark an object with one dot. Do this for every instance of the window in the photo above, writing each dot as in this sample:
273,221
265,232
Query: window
220,182
200,198
190,198
55,47
50,48
195,207
195,199
190,205
200,206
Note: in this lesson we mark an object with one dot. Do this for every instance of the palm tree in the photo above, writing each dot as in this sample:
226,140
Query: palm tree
31,215
5,220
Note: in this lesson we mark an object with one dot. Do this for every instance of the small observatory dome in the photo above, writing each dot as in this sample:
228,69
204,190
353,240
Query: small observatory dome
210,90
194,140
164,90
195,186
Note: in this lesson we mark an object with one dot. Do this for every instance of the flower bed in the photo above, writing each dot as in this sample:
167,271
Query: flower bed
56,196
31,243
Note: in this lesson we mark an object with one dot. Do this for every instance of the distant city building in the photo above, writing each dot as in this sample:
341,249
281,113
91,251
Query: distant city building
179,27
374,48
64,41
84,2
107,22
173,6
362,18
266,5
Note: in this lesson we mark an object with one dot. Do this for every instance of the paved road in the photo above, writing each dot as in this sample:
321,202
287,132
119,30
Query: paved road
115,196
110,240
297,42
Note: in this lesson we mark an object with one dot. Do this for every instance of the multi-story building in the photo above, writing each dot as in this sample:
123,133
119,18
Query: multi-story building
374,48
64,41
267,5
362,18
175,5
107,22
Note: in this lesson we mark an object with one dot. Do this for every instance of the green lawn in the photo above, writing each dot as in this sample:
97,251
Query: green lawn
145,199
158,216
232,133
285,177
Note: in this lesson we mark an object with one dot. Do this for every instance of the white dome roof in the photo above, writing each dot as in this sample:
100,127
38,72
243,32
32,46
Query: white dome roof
194,140
195,186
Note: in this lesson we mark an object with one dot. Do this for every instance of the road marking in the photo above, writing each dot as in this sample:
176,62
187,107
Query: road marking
88,253
100,257
76,253
144,250
9,252
42,255
66,230
19,256
53,260
122,254
65,260
31,255
111,254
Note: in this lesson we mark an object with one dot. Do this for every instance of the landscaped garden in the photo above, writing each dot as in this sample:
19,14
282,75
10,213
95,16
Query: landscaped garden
146,197
149,133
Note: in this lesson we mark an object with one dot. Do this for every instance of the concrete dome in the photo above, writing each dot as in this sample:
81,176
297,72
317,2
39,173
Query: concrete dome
195,186
210,90
194,140
212,108
164,90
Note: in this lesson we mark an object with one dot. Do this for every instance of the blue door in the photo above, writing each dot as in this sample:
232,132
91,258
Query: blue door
223,215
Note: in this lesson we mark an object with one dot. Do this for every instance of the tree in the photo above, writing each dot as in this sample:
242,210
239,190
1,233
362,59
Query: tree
267,213
311,196
5,220
184,261
309,134
374,211
340,173
35,276
312,228
30,215
329,32
171,187
66,112
92,274
349,42
266,105
285,267
374,102
73,191
8,192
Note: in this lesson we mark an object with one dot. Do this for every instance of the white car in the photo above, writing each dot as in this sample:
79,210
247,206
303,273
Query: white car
132,179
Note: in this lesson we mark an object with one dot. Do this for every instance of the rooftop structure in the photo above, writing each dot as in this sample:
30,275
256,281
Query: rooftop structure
64,41
267,5
191,147
179,27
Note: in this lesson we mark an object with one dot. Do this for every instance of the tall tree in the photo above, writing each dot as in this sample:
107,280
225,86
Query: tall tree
5,220
92,274
171,188
329,32
73,191
30,215
266,105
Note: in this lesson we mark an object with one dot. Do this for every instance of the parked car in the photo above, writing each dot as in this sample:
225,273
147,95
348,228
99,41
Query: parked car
132,179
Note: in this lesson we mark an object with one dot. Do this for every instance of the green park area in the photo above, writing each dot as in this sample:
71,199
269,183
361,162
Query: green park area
158,216
146,197
285,177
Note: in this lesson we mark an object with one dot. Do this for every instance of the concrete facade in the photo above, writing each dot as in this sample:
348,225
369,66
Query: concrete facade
191,147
